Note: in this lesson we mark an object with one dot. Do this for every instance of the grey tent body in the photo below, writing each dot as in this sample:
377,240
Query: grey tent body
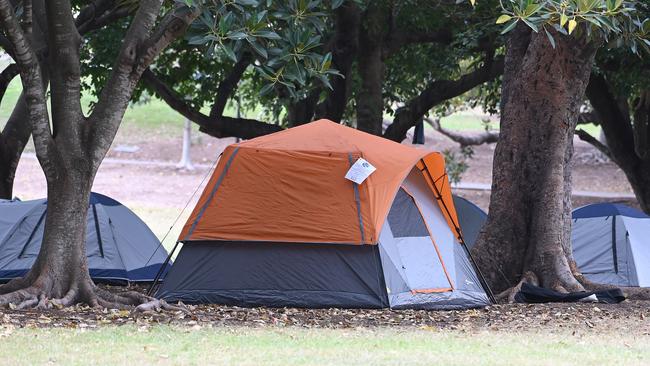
610,244
119,245
417,263
470,218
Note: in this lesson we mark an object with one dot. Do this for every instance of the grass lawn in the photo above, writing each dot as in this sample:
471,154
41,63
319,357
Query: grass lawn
295,346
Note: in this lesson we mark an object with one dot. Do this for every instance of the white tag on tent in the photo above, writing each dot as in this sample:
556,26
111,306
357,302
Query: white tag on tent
359,171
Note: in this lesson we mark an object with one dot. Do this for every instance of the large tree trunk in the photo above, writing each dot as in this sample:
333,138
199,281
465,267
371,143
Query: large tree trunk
70,146
527,233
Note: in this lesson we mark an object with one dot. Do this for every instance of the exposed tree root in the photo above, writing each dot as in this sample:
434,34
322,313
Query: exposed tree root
508,295
157,305
37,296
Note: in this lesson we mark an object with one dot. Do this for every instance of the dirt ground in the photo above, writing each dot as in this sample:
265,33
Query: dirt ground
633,316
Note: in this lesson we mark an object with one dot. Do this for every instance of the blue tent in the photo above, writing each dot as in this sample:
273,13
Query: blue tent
119,245
610,244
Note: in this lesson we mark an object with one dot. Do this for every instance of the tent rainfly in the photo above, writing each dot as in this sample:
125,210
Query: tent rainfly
120,247
279,225
610,244
471,218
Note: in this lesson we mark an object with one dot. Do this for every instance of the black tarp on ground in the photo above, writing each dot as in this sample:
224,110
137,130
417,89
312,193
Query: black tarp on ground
535,294
277,275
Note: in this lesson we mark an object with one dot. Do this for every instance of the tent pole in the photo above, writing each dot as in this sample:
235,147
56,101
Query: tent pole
459,234
162,268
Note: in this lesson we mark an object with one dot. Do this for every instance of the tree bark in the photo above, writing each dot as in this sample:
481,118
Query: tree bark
527,233
370,102
71,151
346,44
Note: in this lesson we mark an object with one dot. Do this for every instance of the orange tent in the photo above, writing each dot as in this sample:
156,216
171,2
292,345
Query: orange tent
291,187
279,224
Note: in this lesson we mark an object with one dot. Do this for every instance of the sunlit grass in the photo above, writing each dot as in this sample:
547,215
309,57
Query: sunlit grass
295,346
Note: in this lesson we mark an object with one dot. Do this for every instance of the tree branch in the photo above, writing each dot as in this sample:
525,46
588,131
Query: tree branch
217,126
8,74
99,14
65,69
586,137
228,84
33,89
465,139
140,47
400,38
588,117
437,92
614,120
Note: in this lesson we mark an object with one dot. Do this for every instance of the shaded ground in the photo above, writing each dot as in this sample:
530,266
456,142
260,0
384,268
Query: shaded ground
633,316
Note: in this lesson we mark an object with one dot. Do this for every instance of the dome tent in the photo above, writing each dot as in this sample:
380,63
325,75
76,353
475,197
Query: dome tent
279,225
118,243
610,244
470,217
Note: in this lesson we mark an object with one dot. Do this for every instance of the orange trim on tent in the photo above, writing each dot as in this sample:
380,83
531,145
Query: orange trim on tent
431,290
439,184
442,263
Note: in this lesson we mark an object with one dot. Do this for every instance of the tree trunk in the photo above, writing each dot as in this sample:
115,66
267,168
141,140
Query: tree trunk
302,111
370,103
346,43
623,145
70,146
527,233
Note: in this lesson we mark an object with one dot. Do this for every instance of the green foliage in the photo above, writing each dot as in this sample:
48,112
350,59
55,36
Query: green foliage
456,163
617,21
284,37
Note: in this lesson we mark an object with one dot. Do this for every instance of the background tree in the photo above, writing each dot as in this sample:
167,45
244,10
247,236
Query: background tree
619,94
71,146
429,54
16,131
549,57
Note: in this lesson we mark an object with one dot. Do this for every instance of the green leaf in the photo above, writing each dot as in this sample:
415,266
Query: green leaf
646,26
229,53
337,3
550,38
509,27
258,48
238,35
503,18
266,89
572,25
268,35
530,24
532,9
